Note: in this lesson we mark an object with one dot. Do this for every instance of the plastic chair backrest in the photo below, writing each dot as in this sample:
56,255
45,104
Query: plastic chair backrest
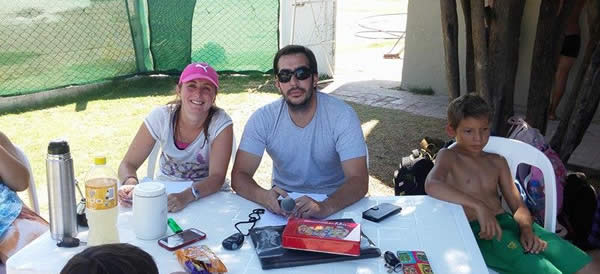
516,152
33,200
152,160
367,156
154,154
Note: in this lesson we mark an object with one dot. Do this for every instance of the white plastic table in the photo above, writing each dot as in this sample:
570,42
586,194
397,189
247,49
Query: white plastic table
436,227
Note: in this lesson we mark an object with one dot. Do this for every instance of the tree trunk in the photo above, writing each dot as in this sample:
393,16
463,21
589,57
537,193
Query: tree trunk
570,100
505,29
593,22
450,36
469,59
480,49
545,56
585,108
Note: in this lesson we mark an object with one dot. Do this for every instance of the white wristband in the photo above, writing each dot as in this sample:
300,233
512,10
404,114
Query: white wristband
195,193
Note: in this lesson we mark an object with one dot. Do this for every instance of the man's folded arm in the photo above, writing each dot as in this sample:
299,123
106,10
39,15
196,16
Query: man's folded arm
242,181
354,188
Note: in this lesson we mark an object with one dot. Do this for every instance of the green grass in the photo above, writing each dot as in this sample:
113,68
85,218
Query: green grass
105,119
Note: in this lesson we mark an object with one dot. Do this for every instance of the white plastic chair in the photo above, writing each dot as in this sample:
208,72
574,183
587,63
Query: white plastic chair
367,156
33,200
152,160
516,152
154,154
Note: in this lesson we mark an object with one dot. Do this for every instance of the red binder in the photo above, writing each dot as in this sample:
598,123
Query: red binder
322,236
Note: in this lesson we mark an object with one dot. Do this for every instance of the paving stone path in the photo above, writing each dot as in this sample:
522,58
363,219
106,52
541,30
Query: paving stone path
385,94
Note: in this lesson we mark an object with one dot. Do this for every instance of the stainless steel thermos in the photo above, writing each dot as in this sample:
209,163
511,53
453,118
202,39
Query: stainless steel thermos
61,190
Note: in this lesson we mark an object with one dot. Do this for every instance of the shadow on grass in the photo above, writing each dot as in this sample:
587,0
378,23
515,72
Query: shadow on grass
392,134
139,86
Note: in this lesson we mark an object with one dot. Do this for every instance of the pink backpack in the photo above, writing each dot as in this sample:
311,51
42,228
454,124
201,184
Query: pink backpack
531,177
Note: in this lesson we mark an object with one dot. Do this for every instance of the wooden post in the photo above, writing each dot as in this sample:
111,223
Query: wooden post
469,59
480,49
586,106
450,37
545,57
593,21
504,32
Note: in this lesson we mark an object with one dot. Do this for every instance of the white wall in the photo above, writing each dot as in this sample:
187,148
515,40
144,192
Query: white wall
311,24
424,50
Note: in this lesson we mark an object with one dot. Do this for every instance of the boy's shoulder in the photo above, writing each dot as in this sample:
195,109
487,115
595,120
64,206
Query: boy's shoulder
496,159
452,154
4,141
446,154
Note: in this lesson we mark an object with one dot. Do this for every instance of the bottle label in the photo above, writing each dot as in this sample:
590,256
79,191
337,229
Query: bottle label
100,197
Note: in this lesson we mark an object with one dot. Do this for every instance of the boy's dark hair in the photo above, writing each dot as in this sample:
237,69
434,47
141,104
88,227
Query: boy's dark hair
465,106
111,259
293,49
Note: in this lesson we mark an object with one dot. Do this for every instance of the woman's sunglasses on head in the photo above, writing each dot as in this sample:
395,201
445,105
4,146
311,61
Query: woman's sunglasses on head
301,73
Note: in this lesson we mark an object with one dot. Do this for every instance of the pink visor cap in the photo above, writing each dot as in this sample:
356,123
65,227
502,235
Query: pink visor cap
195,71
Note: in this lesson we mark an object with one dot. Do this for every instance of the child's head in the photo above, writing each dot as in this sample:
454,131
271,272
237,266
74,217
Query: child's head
468,121
111,259
467,106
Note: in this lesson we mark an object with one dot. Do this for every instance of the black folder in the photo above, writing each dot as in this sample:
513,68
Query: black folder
267,243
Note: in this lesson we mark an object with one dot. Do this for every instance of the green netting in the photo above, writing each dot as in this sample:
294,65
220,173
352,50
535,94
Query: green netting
170,33
46,44
49,43
239,35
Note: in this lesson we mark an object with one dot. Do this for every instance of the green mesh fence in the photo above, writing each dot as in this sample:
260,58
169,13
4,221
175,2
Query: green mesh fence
50,43
239,35
45,44
170,37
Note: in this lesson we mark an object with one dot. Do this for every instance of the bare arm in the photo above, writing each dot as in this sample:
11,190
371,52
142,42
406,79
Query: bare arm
13,173
437,186
218,162
354,188
511,195
217,167
530,242
138,151
243,183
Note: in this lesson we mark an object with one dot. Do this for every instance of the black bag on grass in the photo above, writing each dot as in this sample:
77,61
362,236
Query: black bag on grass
409,178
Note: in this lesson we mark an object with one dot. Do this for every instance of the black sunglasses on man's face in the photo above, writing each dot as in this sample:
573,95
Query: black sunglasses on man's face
301,73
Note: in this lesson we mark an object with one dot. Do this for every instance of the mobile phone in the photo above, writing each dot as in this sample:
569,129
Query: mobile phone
181,239
379,212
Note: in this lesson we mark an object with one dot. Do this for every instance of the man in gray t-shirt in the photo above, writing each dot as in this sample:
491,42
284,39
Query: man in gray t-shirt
314,139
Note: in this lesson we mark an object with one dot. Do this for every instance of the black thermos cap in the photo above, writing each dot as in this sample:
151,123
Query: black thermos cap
58,146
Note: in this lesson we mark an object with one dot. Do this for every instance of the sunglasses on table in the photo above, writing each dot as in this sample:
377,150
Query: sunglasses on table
301,73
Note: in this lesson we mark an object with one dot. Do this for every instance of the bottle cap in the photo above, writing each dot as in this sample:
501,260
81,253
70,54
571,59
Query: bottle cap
149,189
100,160
58,146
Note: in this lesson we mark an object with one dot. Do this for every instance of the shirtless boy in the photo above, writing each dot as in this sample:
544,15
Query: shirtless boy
467,175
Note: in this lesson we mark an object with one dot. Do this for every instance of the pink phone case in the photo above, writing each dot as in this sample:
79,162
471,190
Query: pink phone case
181,239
